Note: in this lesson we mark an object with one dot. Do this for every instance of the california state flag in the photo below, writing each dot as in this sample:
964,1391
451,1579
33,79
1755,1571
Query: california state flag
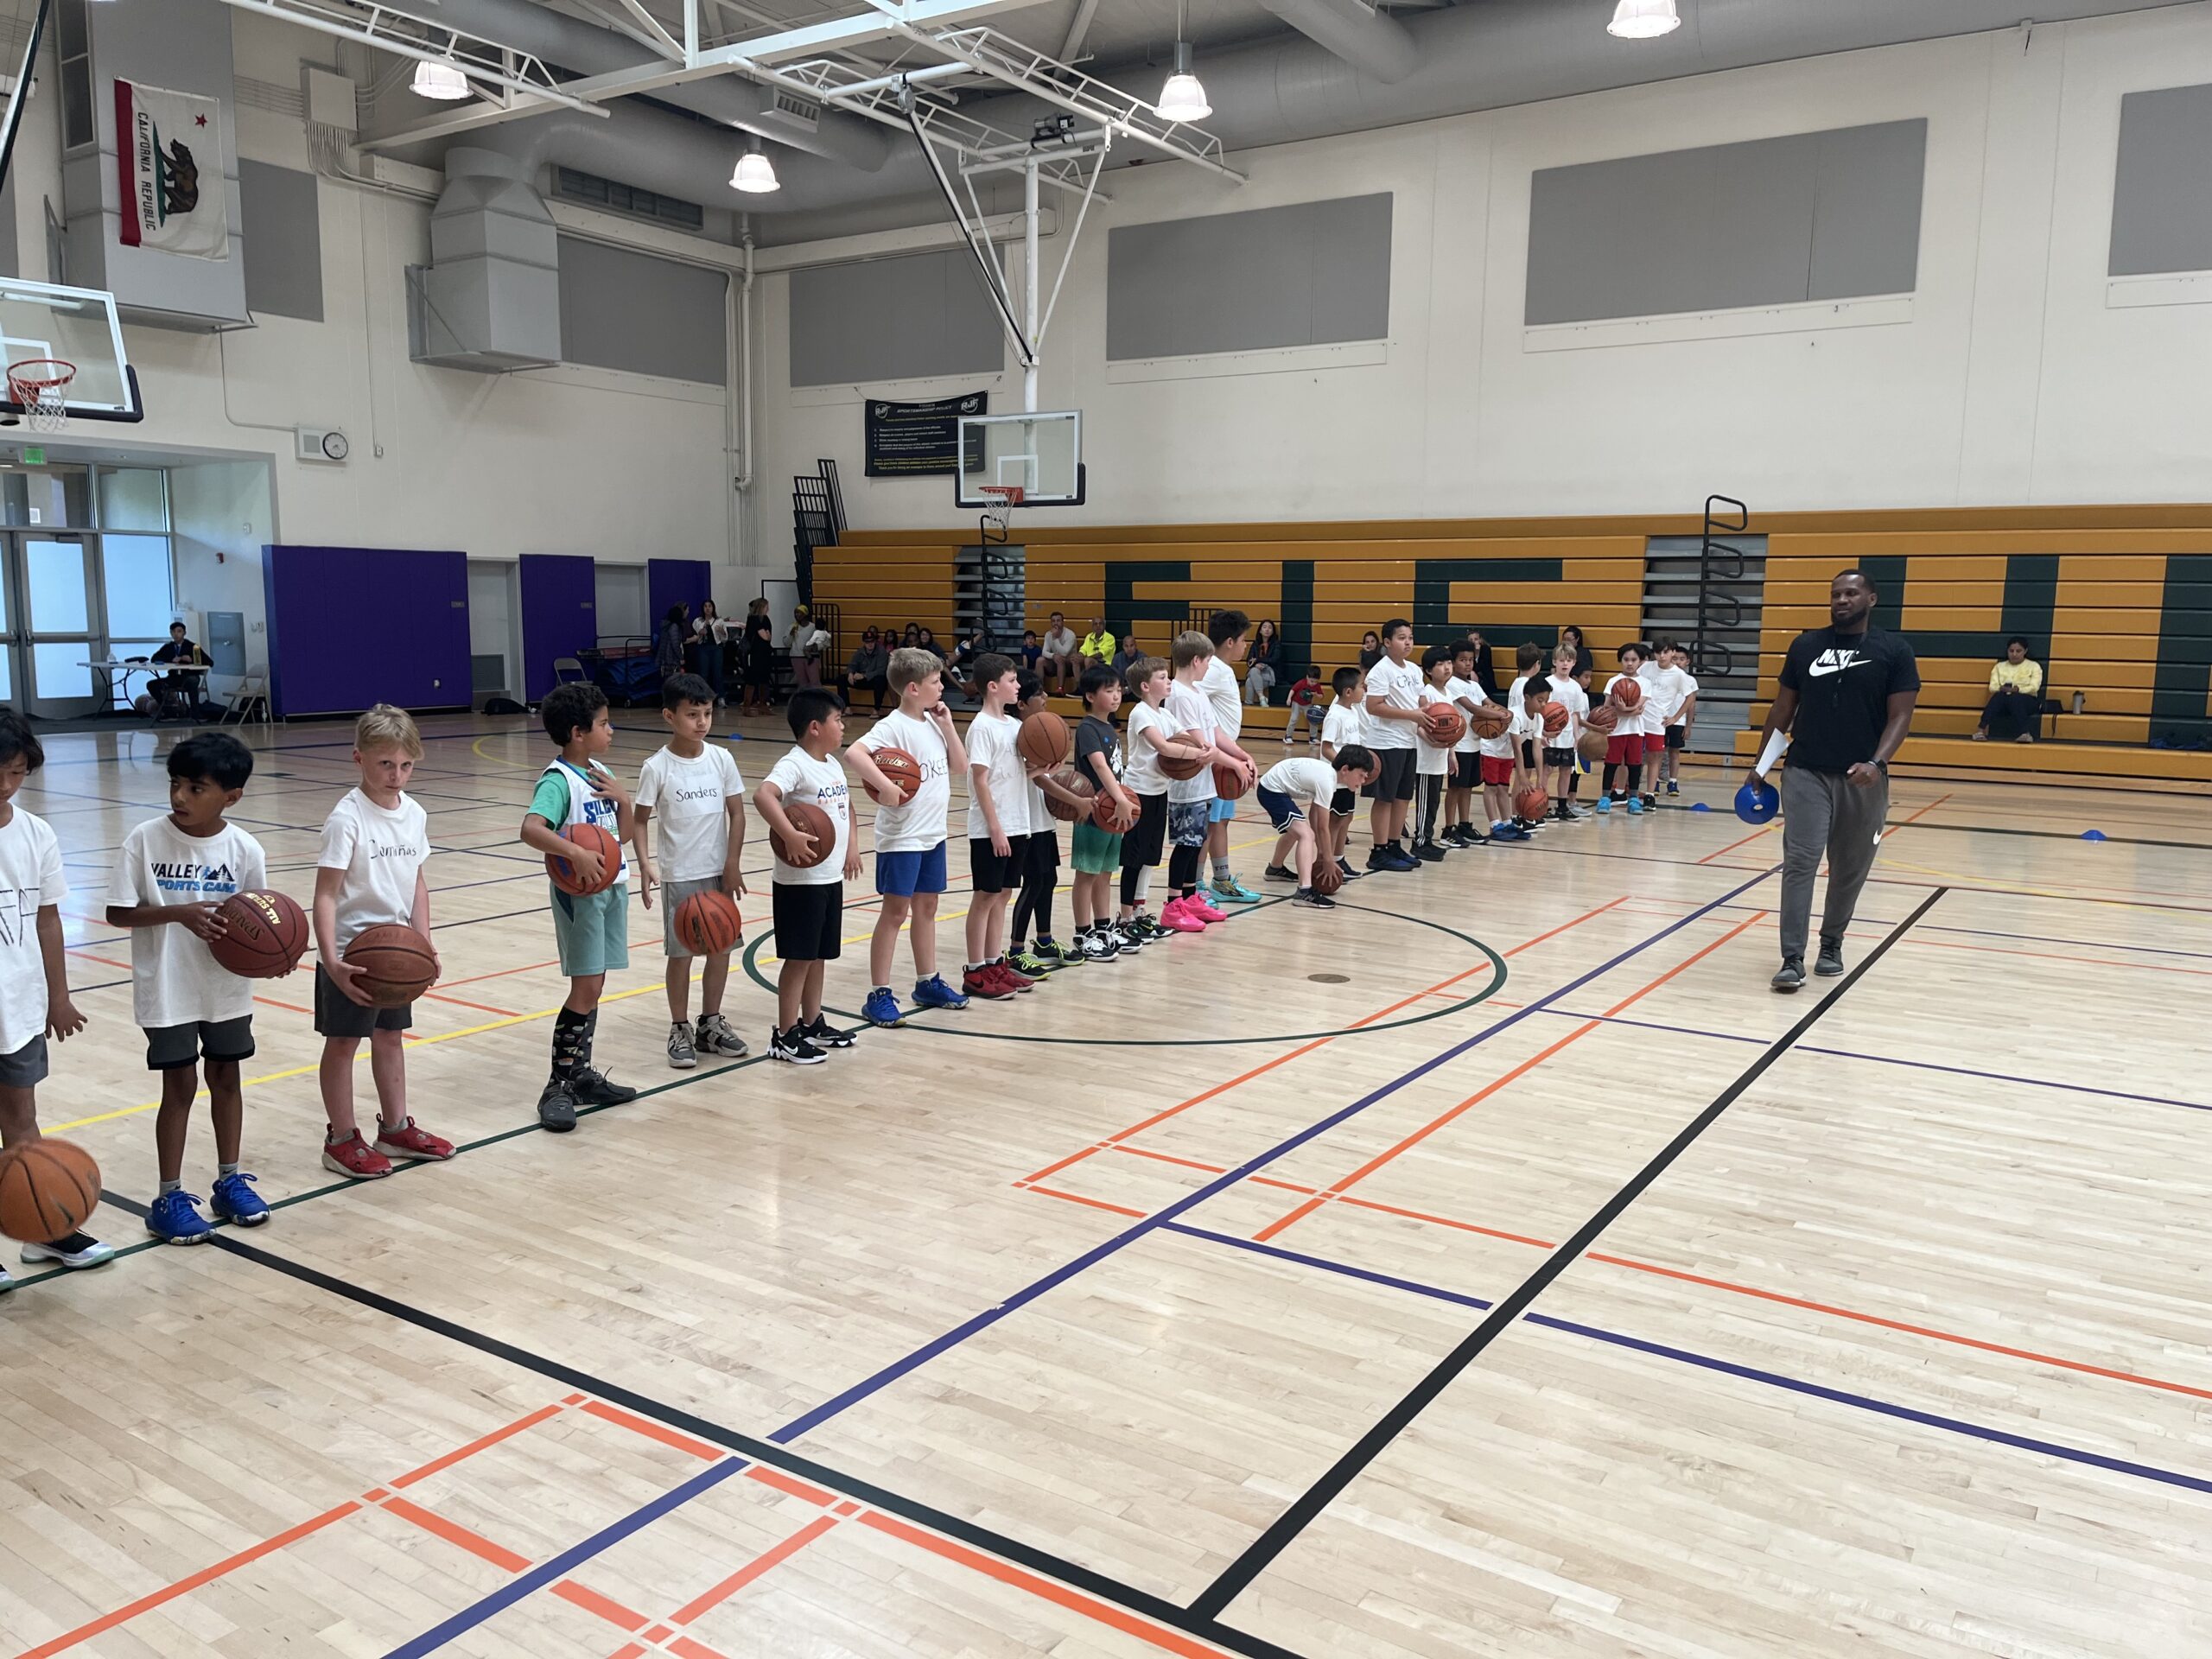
170,150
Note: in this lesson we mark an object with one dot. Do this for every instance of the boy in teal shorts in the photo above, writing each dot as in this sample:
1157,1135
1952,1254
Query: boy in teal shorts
591,931
1098,851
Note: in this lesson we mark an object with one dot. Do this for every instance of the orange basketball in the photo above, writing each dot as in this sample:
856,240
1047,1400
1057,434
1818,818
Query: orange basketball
708,923
1627,693
1443,725
1180,766
1328,875
1591,746
1229,780
1109,817
902,770
48,1189
610,860
1531,802
1043,739
395,962
805,815
265,935
1490,720
1602,717
1555,719
1068,780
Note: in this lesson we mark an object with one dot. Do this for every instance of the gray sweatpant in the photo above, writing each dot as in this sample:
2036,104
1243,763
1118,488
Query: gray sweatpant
1824,813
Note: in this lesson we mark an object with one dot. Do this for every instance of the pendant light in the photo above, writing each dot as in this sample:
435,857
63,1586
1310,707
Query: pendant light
440,81
1182,99
756,174
1643,20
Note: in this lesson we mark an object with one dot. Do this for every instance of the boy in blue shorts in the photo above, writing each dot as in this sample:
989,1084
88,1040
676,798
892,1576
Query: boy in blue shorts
910,834
1305,799
591,931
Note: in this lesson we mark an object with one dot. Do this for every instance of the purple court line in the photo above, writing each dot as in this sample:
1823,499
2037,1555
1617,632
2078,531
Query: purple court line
477,1612
1727,1368
1893,1059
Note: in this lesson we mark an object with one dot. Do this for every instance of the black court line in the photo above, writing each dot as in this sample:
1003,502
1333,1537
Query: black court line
766,1452
1301,1513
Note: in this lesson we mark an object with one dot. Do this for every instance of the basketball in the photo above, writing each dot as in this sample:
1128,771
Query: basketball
1443,725
708,923
1178,767
1075,785
1591,746
265,935
395,963
1491,719
1531,802
1627,693
1555,719
48,1189
1229,780
1107,816
1602,717
902,770
1328,875
564,874
1043,739
807,817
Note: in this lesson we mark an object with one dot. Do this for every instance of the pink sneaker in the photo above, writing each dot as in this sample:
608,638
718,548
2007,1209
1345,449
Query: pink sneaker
1205,912
1176,918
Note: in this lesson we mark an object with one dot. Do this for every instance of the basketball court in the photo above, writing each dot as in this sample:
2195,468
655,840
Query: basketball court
1490,1267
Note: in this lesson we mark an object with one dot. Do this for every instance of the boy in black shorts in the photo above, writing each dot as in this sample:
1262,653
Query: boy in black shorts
1041,855
810,903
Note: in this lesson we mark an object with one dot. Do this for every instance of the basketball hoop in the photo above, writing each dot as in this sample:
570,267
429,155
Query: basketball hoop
39,386
1006,496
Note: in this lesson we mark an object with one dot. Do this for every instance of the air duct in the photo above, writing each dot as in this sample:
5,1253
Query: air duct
490,299
1364,38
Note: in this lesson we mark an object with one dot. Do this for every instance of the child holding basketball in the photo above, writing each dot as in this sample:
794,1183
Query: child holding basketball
1193,802
998,830
33,971
1391,712
1681,712
810,902
1152,734
1305,799
910,834
591,931
1344,723
1498,756
1464,690
169,878
1624,748
698,791
1226,645
1431,760
1097,851
1040,854
1560,757
369,874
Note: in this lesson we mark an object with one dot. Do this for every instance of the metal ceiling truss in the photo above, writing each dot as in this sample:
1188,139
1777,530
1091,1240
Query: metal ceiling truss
481,61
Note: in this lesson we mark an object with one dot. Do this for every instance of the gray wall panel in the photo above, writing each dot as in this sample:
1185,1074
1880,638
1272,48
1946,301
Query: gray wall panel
918,316
1820,215
282,225
1311,274
630,311
2162,196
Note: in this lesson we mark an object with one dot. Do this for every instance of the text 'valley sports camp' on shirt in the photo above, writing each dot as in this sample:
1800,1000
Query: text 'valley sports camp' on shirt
1844,683
174,978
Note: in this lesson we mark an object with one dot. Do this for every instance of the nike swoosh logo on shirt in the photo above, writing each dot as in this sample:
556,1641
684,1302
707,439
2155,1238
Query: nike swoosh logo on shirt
1822,665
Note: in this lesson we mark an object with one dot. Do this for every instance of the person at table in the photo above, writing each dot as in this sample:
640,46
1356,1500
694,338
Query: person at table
162,687
2015,706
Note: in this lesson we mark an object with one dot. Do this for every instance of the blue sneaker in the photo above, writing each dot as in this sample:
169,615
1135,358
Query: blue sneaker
1604,804
1233,891
175,1219
882,1009
934,993
1635,806
235,1201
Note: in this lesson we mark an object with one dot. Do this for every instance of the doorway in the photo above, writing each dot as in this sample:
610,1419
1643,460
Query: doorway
50,615
494,629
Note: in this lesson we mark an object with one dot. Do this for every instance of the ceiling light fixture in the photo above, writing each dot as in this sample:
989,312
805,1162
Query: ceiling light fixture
1182,99
756,174
442,81
1643,20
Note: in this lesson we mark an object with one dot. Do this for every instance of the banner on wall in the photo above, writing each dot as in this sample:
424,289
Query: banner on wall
169,149
918,440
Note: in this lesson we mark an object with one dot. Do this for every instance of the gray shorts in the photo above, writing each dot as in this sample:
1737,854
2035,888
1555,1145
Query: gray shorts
337,1015
672,895
171,1048
26,1067
591,931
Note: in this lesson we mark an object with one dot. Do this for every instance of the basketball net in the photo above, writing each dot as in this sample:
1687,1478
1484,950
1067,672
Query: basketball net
40,387
999,516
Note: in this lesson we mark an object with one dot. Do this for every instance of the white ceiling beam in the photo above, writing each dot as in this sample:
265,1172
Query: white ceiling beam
369,24
647,30
511,107
1078,31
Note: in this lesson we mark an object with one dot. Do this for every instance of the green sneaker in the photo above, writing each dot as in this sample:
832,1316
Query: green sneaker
1230,890
1070,952
1029,966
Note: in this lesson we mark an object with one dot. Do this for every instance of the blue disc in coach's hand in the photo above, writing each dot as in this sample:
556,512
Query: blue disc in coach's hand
1758,802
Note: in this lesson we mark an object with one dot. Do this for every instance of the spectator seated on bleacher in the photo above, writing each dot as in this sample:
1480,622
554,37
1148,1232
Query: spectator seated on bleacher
2015,706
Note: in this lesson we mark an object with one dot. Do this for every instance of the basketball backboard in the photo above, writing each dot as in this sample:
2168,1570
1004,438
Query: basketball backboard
1040,453
73,326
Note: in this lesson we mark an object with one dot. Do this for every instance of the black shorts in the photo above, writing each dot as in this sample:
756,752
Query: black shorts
1559,756
1396,781
1466,774
1041,855
1142,847
988,872
337,1015
809,919
1529,753
171,1048
1677,736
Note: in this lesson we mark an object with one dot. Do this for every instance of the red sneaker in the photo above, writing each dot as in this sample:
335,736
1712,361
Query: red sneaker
1197,907
984,982
408,1141
355,1157
1175,917
1007,976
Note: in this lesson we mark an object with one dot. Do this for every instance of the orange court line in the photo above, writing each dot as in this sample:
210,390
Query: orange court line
1722,852
482,1443
685,1648
482,1007
1076,1198
1266,1066
708,1599
789,1485
1526,1066
456,1535
289,1007
604,1607
653,1431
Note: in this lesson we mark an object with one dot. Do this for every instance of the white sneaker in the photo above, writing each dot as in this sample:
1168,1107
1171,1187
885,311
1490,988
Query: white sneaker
73,1250
680,1053
1099,947
6,1283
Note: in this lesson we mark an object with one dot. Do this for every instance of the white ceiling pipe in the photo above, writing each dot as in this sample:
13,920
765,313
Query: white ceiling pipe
1371,41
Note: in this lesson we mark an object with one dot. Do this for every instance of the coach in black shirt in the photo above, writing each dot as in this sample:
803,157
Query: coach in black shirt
1846,696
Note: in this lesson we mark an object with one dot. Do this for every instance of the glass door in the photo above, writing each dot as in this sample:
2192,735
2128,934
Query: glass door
51,619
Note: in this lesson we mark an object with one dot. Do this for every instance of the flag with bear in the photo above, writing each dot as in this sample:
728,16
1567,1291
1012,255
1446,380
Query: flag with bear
169,149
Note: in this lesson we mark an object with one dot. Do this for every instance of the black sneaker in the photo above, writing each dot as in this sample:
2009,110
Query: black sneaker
823,1034
591,1088
1278,873
1380,858
795,1046
1306,899
1830,963
1790,976
1429,852
556,1108
1351,875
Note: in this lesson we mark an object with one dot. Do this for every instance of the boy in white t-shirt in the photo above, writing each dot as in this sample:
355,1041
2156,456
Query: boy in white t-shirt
1560,757
810,903
1227,632
1391,711
591,932
1152,734
1465,693
1625,747
1040,852
1346,723
170,877
1433,761
1305,800
1499,757
1191,801
998,830
695,791
370,872
1682,712
910,834
1662,684
33,971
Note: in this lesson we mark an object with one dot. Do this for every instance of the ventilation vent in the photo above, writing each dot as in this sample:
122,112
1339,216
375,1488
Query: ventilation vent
797,110
589,188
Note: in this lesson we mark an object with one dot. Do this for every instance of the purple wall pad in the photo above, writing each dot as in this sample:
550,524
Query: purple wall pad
676,582
350,626
560,615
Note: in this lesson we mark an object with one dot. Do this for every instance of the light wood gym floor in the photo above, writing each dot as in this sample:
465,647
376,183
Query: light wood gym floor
1319,1286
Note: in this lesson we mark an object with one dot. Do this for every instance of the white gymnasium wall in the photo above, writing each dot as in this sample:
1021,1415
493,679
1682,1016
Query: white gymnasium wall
2008,377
